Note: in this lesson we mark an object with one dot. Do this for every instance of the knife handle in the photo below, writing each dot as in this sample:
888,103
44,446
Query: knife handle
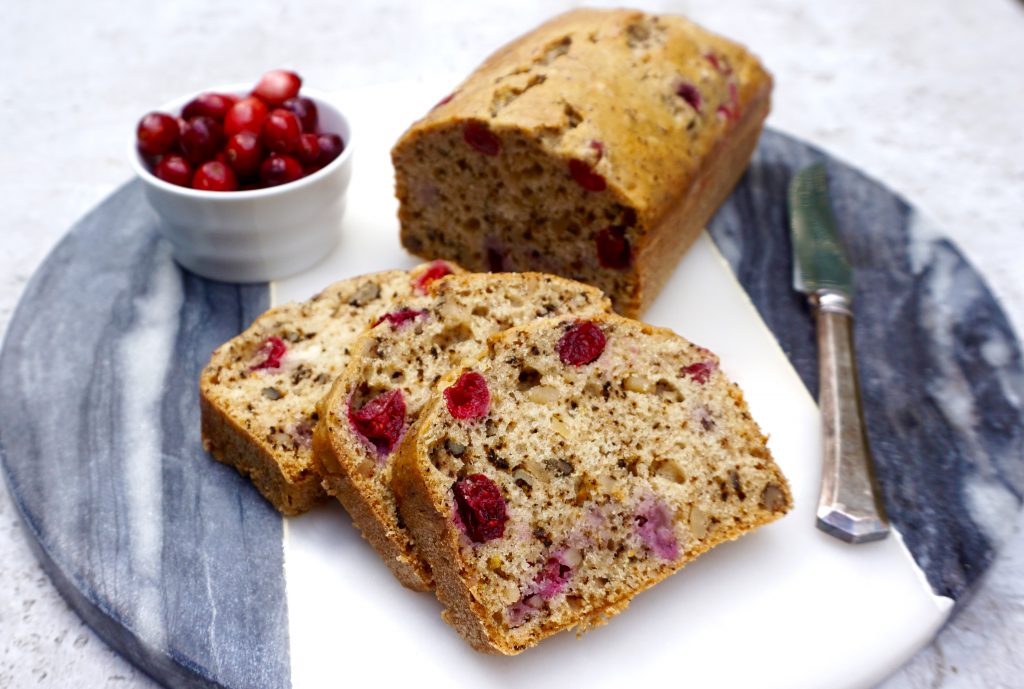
849,506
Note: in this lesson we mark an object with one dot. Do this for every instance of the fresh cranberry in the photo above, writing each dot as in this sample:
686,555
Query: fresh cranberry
585,176
156,134
182,126
247,115
272,350
279,169
469,398
244,154
399,318
331,146
277,86
699,372
581,344
305,109
613,250
689,93
201,139
435,271
281,131
214,175
308,151
380,420
481,508
215,105
174,169
477,135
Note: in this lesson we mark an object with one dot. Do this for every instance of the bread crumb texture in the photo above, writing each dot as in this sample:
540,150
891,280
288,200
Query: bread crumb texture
605,476
402,359
260,389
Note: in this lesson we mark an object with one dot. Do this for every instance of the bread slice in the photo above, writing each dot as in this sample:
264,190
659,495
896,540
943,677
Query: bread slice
609,454
258,394
595,147
399,361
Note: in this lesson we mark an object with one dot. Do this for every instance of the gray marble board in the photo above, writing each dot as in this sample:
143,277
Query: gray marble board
177,562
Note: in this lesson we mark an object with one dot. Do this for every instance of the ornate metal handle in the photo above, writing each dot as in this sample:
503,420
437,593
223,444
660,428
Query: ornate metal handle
849,506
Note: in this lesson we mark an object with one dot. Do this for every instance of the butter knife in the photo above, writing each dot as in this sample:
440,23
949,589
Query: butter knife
849,506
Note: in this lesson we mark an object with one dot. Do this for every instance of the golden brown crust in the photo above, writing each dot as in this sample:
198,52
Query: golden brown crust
654,171
230,444
606,76
411,571
683,222
434,540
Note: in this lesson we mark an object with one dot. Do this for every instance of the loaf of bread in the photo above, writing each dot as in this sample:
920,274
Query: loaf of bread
595,147
575,464
393,369
259,392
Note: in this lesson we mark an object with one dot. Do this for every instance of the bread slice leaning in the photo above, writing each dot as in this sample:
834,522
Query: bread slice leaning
259,392
399,360
609,454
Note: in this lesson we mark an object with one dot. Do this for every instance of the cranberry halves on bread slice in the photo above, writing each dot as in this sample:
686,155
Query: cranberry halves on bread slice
601,456
393,369
259,392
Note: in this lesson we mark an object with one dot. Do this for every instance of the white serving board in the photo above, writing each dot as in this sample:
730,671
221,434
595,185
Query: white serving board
787,607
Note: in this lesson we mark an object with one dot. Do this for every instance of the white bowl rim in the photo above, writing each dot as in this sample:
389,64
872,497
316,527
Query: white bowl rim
174,107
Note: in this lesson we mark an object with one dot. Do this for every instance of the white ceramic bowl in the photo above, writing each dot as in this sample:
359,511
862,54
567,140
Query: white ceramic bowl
256,235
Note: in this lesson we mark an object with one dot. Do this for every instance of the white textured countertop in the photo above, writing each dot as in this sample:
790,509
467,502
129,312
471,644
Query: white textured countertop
926,96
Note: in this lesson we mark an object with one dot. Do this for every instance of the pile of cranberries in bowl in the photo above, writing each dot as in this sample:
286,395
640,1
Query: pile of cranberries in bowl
227,142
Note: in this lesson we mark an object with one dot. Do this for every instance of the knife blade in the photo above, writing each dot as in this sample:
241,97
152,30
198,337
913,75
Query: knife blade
849,504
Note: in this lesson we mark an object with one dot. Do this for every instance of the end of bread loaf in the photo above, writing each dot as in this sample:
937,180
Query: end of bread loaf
611,454
394,366
258,393
595,147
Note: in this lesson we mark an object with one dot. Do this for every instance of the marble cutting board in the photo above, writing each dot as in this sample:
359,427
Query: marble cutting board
182,567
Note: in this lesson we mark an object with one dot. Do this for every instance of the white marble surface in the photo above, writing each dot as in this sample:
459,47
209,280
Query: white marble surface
925,96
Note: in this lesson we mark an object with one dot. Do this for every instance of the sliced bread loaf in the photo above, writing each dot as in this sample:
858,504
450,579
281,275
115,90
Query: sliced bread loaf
258,394
575,464
392,371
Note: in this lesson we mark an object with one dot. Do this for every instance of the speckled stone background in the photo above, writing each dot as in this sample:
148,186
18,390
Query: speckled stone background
926,96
